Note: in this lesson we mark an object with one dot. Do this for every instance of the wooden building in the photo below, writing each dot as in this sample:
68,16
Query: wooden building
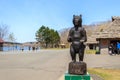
8,46
109,35
91,42
31,46
1,44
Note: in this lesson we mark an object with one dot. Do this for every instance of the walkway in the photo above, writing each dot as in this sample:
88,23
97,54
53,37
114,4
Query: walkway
46,64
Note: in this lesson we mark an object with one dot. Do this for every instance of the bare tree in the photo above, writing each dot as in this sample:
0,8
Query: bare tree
64,35
3,31
11,37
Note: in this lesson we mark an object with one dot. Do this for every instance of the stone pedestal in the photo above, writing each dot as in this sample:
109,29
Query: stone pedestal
76,77
77,68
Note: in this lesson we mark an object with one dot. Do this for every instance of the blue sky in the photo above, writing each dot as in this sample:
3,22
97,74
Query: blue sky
25,17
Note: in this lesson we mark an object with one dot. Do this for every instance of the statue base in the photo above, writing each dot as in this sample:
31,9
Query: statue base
77,68
77,77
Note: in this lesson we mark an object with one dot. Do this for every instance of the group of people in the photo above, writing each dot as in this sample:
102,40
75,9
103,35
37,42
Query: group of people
114,48
30,48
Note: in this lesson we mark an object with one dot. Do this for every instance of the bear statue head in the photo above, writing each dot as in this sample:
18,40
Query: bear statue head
77,20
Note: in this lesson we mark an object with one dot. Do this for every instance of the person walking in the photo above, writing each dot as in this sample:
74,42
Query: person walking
110,49
118,48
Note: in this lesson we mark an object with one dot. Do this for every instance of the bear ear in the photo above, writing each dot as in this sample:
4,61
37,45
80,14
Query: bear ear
73,16
80,15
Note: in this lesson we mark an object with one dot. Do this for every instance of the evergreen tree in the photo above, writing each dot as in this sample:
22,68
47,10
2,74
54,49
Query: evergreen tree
47,37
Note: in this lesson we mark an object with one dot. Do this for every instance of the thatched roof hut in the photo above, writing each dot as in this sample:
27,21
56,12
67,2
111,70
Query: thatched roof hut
91,41
31,44
109,35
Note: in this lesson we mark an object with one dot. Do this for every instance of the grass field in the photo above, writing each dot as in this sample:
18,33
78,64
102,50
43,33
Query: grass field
90,51
106,74
54,48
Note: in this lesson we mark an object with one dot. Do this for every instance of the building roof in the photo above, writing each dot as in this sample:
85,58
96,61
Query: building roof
31,44
92,39
112,30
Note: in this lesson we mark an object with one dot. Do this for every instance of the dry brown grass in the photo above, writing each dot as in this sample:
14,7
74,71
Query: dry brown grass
90,51
106,74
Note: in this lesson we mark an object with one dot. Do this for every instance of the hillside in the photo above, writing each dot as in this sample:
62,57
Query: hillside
90,29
